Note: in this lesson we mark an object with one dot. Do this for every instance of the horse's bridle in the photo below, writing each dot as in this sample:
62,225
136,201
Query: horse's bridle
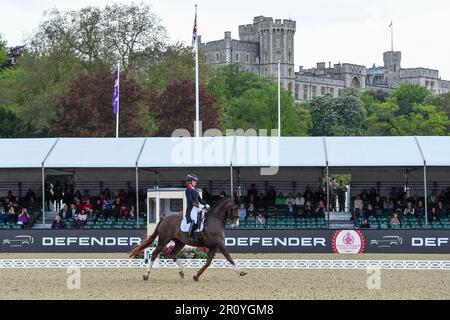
229,217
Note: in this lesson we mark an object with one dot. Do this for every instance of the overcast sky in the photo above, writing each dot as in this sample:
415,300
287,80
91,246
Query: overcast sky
353,31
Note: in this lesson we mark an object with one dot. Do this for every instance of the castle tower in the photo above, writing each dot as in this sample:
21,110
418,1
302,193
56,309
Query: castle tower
276,41
392,60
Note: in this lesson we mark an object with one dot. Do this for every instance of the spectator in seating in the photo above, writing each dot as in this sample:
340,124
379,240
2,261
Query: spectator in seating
379,204
73,210
123,212
10,197
432,200
341,190
206,196
300,200
441,197
280,201
222,195
251,212
252,193
58,195
66,213
80,219
320,213
33,205
399,206
68,198
441,211
420,209
358,206
11,214
242,212
260,221
24,219
3,217
85,197
409,210
30,195
261,201
433,215
365,224
271,196
309,196
290,209
395,222
370,211
58,224
131,213
309,211
290,199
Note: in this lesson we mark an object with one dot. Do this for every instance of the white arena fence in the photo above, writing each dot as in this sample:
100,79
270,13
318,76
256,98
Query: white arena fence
223,264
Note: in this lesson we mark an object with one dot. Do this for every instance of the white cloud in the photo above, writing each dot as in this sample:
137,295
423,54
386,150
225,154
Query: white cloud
354,31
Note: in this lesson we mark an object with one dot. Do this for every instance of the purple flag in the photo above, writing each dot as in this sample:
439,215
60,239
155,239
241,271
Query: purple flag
115,98
194,32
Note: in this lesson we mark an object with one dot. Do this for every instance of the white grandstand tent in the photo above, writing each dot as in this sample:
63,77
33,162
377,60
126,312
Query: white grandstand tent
227,160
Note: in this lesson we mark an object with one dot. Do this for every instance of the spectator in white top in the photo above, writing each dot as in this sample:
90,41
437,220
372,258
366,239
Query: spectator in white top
300,200
290,199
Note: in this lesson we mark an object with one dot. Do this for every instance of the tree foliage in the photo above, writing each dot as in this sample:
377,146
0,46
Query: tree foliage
86,111
174,108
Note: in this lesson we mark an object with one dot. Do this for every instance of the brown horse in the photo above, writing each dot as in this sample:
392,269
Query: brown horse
212,237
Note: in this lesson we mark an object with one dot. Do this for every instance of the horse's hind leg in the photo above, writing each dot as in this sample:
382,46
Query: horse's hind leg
178,247
211,255
155,255
230,259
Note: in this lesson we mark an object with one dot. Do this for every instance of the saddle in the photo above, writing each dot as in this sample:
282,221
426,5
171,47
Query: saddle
198,227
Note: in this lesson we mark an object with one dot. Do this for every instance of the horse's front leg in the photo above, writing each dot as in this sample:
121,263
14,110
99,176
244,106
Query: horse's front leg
211,255
230,259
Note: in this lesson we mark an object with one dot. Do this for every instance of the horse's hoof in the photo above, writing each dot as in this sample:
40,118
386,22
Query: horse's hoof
195,278
242,273
145,277
181,274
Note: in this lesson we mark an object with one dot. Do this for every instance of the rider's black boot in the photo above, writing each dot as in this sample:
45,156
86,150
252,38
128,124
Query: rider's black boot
191,232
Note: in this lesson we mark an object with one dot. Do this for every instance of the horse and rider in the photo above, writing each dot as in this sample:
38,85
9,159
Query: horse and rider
212,237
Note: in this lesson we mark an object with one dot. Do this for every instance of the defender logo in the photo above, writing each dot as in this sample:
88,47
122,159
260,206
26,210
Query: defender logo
18,241
387,242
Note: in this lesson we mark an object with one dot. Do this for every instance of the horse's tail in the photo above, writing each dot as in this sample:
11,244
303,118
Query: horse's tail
145,243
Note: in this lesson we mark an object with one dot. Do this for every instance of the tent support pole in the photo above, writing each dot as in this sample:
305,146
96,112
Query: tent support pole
425,191
137,197
328,197
43,194
231,181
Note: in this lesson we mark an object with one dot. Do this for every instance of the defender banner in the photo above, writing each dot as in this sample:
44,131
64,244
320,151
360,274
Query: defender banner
237,241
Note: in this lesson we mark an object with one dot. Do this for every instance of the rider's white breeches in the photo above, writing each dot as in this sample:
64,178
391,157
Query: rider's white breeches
194,214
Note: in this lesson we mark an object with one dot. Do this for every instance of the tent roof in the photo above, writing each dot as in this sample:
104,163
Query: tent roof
222,151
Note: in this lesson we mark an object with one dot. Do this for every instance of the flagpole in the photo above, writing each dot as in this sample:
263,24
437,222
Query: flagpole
197,93
118,100
279,99
392,36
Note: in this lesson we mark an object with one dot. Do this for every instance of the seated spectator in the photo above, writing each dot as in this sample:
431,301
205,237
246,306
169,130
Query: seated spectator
58,224
379,204
80,219
261,201
395,222
24,219
242,212
66,213
358,206
77,197
420,209
290,210
10,197
11,214
260,221
365,224
399,206
433,215
300,200
441,211
320,213
370,211
409,210
123,212
280,201
290,199
73,210
251,212
309,211
85,197
3,217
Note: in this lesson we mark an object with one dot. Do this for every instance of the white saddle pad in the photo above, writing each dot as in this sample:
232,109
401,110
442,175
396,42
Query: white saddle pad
185,226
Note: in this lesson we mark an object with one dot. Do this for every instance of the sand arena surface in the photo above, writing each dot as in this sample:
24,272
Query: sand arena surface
225,284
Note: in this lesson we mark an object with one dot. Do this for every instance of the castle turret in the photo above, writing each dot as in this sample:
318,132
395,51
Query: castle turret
392,60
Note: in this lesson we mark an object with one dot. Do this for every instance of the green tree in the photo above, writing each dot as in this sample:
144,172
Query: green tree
407,96
382,120
342,116
4,60
11,125
423,121
34,87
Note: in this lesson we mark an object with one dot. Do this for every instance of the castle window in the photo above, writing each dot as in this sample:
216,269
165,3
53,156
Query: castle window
297,89
289,57
237,57
290,72
305,92
217,57
314,91
322,91
248,58
332,91
290,87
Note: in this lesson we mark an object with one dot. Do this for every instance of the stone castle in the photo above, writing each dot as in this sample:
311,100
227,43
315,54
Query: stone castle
267,41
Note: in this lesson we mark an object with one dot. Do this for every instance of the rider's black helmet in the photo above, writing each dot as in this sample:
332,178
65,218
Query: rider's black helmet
191,177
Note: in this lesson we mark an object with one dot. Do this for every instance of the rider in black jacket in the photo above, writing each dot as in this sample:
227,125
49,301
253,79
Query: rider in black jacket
193,202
